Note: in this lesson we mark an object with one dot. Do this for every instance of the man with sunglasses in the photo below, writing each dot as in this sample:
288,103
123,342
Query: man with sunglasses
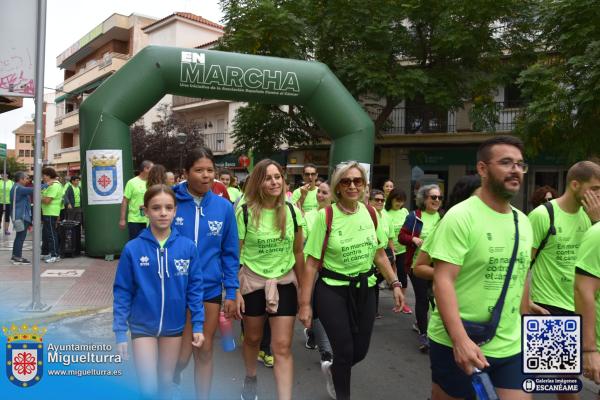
553,271
305,197
472,249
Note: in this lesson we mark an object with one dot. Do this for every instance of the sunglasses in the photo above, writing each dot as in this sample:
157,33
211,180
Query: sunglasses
434,197
346,182
378,200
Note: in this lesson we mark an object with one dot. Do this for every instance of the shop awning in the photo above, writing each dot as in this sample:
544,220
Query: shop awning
81,89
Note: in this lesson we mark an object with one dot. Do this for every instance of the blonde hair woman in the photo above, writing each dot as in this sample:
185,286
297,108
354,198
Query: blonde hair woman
345,292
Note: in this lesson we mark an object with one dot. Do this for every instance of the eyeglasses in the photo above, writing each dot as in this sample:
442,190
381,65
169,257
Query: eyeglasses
376,200
358,182
310,174
434,197
508,164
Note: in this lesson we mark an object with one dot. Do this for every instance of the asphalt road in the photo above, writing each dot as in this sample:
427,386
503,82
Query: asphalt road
393,369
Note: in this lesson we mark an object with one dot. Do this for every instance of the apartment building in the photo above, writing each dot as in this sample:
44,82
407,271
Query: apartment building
24,144
86,64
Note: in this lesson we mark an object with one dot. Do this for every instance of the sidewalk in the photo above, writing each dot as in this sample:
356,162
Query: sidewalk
72,286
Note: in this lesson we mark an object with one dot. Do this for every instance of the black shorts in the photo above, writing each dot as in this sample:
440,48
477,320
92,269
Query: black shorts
256,304
555,310
505,373
141,335
215,300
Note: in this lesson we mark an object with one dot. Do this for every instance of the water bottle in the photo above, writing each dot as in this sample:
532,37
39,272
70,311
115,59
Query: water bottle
483,385
227,340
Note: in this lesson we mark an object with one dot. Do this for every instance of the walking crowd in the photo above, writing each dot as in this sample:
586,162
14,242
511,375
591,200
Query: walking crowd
202,250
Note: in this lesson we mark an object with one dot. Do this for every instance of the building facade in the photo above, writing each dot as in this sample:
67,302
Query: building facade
24,144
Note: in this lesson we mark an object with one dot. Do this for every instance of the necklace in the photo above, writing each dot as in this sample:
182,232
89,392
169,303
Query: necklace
345,210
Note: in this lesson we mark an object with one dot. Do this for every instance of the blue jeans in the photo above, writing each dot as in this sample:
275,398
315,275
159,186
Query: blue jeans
50,236
19,240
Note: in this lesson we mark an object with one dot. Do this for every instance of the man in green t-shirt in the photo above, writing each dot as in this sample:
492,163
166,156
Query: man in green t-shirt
132,214
553,272
73,200
5,208
471,260
51,203
305,197
587,300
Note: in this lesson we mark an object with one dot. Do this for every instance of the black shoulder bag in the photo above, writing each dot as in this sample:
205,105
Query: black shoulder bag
483,332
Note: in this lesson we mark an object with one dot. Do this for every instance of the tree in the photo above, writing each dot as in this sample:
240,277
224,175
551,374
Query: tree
159,144
563,86
435,54
13,165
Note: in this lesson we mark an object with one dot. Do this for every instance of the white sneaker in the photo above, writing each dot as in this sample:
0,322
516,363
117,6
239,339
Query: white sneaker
52,260
326,370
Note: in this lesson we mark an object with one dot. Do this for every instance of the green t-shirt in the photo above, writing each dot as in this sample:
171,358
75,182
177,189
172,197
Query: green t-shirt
55,191
77,195
553,274
310,202
234,194
134,193
387,226
264,252
430,222
397,218
6,198
588,259
483,251
310,218
352,243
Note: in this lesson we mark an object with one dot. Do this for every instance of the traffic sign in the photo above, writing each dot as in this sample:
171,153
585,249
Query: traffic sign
2,149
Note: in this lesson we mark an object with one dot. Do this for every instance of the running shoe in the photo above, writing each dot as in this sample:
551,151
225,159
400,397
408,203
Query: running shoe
326,370
266,359
310,339
406,310
415,328
423,343
52,260
19,261
378,316
249,391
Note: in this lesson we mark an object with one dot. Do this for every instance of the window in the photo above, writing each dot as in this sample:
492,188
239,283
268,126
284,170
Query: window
21,139
27,139
21,153
27,153
512,96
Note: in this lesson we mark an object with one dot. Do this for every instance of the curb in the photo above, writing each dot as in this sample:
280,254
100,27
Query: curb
49,319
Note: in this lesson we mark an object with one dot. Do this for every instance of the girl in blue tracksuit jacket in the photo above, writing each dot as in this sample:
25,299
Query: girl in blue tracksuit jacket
208,220
158,276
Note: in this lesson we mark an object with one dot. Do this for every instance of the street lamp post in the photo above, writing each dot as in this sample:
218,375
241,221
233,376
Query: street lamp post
181,139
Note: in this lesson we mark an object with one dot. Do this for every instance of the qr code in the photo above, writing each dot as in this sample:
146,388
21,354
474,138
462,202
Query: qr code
551,344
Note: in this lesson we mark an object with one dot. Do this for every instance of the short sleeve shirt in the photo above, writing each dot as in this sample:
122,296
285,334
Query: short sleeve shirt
134,193
430,222
264,251
310,202
352,243
588,259
310,218
483,251
234,194
553,274
397,218
9,184
55,191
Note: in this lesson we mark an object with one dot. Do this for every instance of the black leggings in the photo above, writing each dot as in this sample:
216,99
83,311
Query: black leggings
421,300
349,348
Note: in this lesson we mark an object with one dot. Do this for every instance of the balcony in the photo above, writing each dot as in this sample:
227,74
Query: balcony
181,103
67,155
215,141
109,64
67,122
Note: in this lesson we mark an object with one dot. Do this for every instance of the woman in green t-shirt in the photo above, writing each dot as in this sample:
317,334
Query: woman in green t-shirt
418,225
346,279
395,210
270,234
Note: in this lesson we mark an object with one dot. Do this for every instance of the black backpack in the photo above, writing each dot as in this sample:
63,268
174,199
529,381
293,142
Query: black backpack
551,231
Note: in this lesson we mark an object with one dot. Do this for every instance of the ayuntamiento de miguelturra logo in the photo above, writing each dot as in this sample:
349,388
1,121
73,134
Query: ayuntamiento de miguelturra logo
24,354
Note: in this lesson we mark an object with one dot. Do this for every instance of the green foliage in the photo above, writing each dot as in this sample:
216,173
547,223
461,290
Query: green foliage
440,53
563,86
12,166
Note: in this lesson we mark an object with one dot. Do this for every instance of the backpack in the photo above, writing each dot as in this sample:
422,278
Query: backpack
329,222
551,231
290,206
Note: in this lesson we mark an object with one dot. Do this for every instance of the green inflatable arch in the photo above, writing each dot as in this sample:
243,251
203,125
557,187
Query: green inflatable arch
105,117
